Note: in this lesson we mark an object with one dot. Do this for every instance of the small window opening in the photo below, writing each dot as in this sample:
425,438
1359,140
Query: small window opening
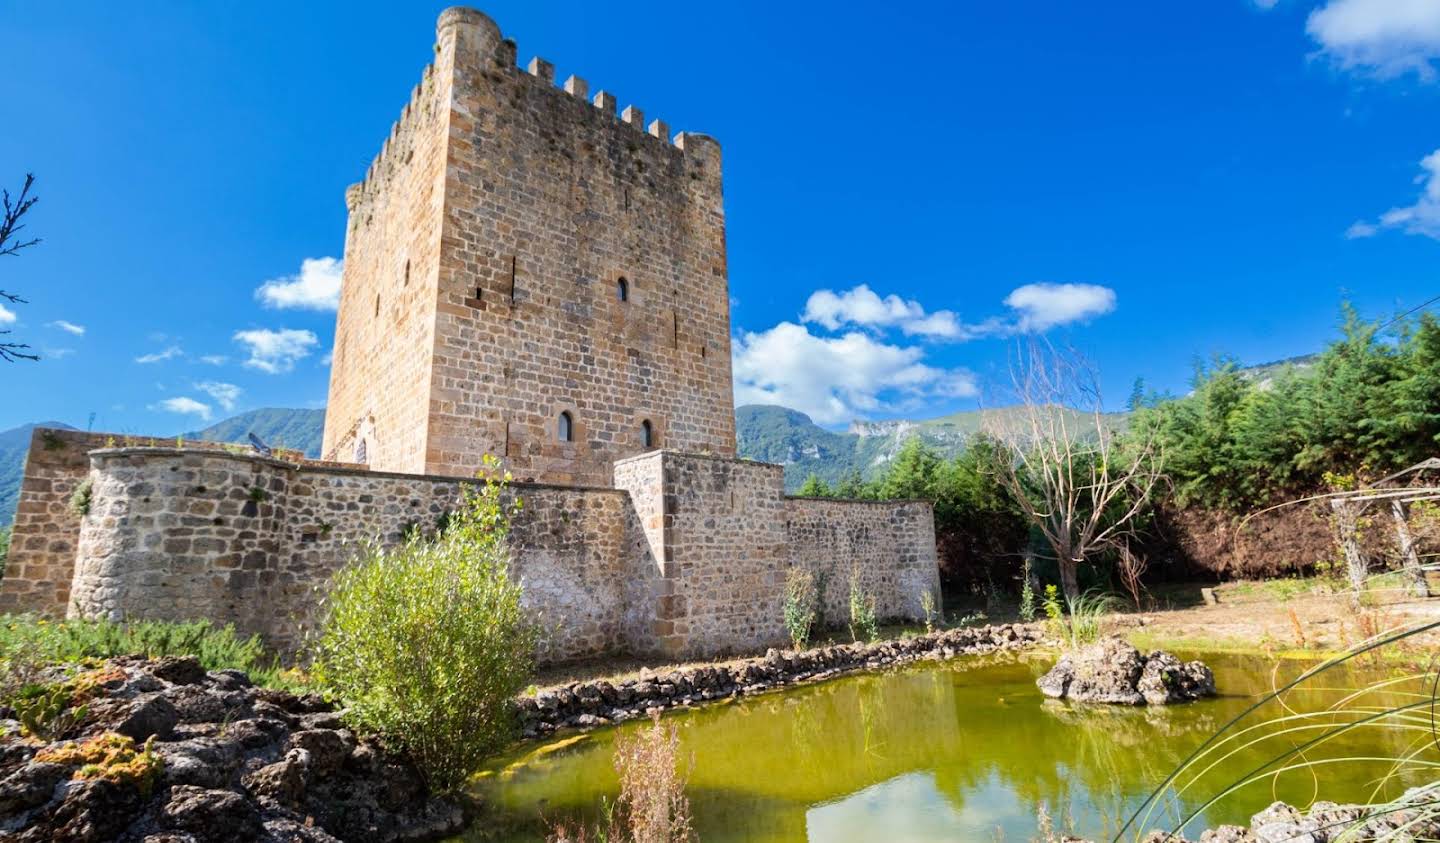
647,434
622,290
377,305
565,428
407,274
360,455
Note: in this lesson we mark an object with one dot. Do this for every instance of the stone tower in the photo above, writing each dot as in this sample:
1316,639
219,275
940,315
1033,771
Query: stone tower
528,275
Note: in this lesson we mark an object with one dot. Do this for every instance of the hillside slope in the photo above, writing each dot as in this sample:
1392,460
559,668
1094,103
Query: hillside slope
278,427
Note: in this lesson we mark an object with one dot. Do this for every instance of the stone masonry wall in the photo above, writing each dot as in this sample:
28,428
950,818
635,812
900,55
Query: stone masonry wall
520,206
385,328
179,534
889,545
687,558
46,532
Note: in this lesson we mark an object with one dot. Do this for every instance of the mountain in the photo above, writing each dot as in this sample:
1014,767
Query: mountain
14,444
779,435
277,427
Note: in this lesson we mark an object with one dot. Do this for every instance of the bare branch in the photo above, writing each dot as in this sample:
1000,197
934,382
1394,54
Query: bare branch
1079,483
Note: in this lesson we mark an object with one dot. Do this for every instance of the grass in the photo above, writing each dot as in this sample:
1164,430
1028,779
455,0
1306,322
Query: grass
29,642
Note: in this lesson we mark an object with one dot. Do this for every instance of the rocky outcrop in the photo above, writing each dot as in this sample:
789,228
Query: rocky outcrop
1409,818
168,752
1112,671
595,703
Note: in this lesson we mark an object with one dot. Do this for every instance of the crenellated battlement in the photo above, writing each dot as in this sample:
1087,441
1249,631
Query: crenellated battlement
474,29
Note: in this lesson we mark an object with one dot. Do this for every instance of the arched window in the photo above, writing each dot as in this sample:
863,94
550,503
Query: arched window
565,428
647,434
622,289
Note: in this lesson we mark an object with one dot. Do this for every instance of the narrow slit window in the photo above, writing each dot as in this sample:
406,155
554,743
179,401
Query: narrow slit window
622,290
565,428
647,434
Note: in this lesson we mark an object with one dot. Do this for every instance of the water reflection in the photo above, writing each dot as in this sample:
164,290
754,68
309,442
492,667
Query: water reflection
958,751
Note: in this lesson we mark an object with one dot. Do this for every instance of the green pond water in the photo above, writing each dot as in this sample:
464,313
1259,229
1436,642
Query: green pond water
963,750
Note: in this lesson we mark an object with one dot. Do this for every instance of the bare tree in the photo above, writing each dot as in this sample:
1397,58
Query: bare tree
12,211
1074,477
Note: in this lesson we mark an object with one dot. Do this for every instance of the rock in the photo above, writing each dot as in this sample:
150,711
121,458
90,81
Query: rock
1166,681
284,781
201,762
93,811
218,815
30,786
1228,834
179,670
1112,671
149,715
327,749
196,705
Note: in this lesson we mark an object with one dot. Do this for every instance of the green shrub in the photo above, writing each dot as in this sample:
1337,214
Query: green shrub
1082,624
863,623
28,640
426,643
1027,595
800,600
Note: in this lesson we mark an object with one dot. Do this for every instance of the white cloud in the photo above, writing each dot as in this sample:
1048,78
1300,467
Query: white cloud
214,359
225,394
1045,306
862,306
6,316
1038,307
1267,4
184,406
274,352
1386,38
69,327
57,353
158,356
315,287
836,379
1421,218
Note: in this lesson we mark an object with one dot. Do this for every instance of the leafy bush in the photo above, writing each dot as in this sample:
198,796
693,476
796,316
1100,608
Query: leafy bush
1027,594
27,641
800,601
426,643
863,623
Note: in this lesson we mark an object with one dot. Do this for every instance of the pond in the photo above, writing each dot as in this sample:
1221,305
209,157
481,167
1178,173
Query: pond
962,750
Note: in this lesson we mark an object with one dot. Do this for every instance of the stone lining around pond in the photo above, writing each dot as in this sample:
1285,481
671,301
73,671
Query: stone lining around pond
1409,818
588,704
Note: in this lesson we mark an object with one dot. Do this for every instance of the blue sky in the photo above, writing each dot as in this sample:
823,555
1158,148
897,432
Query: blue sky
1151,182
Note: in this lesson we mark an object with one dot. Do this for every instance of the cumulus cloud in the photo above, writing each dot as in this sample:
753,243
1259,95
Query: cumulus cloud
169,353
1037,308
225,394
275,352
69,327
184,406
6,316
1386,38
864,307
315,287
1044,306
1423,217
836,379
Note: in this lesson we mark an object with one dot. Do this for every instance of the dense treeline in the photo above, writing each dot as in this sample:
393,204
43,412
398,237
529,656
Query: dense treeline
1366,406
